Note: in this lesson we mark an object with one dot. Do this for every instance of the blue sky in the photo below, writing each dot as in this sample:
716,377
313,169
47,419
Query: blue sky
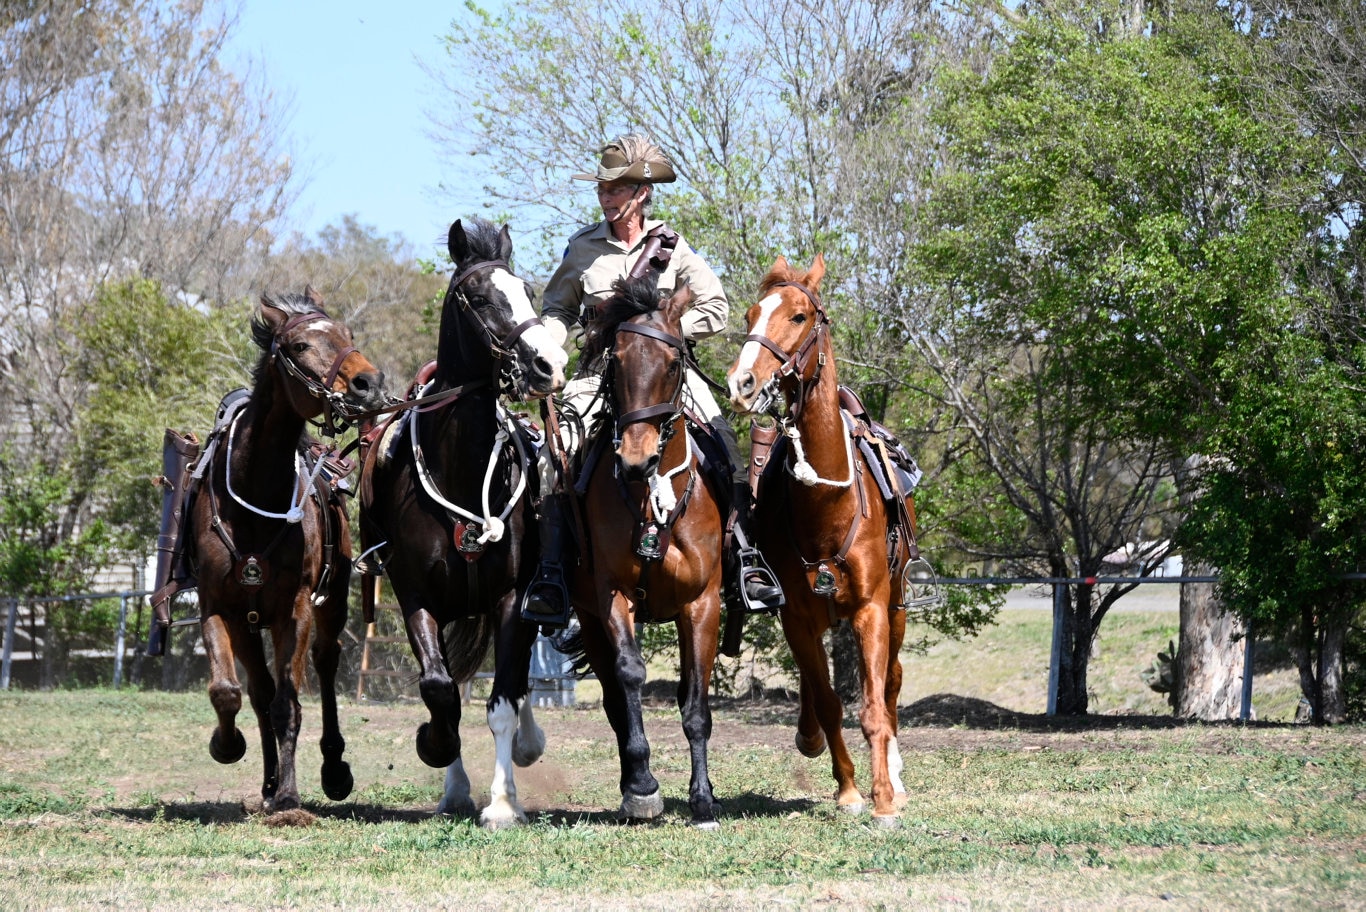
358,127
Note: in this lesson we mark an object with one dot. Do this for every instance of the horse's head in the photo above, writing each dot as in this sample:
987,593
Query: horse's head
783,342
320,367
648,368
486,295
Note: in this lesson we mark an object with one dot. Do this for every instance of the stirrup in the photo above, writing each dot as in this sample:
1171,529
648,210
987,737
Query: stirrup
546,601
759,589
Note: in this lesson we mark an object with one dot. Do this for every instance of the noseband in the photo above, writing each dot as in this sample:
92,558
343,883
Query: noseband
798,362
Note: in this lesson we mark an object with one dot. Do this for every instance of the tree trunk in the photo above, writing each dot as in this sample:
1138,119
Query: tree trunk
1075,655
1209,656
1332,689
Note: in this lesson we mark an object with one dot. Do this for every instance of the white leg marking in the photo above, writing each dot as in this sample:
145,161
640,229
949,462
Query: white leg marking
503,809
894,767
456,800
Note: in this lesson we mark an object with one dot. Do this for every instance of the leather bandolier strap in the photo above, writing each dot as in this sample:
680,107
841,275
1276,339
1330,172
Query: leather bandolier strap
173,572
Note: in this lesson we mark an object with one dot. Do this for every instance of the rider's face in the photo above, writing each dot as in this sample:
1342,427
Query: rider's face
620,200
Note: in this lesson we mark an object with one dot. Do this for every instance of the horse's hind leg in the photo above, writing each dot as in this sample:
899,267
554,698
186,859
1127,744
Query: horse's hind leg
331,618
698,626
227,744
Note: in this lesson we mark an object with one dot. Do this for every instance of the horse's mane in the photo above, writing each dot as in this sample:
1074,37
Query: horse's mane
631,297
261,333
483,238
781,272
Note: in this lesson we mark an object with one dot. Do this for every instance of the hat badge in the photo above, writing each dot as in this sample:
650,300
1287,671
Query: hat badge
648,175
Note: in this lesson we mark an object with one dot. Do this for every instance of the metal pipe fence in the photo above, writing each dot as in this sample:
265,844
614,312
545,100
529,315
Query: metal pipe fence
547,676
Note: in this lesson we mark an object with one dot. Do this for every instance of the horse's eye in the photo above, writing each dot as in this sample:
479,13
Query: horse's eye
799,319
673,368
299,348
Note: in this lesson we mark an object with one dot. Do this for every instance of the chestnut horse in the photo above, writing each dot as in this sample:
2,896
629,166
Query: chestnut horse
272,543
445,506
824,532
655,538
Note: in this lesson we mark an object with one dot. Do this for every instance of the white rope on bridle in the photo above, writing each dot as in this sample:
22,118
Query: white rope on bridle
295,513
662,496
494,526
803,471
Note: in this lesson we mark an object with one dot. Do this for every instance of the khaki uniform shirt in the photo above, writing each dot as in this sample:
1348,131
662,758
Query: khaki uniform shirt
595,259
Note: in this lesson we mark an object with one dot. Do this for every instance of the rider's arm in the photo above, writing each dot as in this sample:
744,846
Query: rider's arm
709,310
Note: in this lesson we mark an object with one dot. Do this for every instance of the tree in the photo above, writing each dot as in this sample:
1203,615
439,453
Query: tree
377,285
795,127
126,150
1103,253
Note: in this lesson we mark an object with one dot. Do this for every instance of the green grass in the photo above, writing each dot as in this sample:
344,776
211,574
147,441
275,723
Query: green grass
109,799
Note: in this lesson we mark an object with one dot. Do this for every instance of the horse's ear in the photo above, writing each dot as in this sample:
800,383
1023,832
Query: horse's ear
313,296
457,243
813,278
505,244
271,315
779,265
678,302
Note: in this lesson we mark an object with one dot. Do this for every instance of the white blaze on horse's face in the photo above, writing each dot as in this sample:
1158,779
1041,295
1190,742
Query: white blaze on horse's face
537,336
741,381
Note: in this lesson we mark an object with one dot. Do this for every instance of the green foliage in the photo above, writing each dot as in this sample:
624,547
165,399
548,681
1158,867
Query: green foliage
36,558
151,364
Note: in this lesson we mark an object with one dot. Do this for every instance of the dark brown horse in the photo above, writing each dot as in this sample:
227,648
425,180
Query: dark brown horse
445,506
825,530
654,539
272,544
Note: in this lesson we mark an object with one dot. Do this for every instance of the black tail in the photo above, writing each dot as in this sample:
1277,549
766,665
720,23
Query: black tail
466,643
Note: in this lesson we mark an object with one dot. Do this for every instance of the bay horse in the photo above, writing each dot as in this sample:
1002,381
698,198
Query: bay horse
655,537
272,542
833,544
444,503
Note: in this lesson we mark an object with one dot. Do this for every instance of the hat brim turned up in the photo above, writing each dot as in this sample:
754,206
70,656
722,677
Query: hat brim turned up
614,166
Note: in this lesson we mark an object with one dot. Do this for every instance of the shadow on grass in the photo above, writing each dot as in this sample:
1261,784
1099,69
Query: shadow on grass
229,812
945,710
733,807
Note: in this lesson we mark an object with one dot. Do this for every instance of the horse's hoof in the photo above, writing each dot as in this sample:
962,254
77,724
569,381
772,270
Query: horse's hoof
493,824
707,825
429,756
337,779
812,747
233,752
274,804
853,808
887,821
641,807
463,809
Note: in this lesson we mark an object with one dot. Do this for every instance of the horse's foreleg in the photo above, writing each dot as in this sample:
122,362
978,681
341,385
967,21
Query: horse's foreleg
820,703
455,793
438,741
261,691
897,635
226,745
871,633
698,626
290,640
615,657
517,739
336,772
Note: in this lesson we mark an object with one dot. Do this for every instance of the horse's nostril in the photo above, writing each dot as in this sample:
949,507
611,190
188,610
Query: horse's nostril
542,367
361,384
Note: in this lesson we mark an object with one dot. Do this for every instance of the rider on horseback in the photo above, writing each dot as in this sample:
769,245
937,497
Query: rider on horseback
628,242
